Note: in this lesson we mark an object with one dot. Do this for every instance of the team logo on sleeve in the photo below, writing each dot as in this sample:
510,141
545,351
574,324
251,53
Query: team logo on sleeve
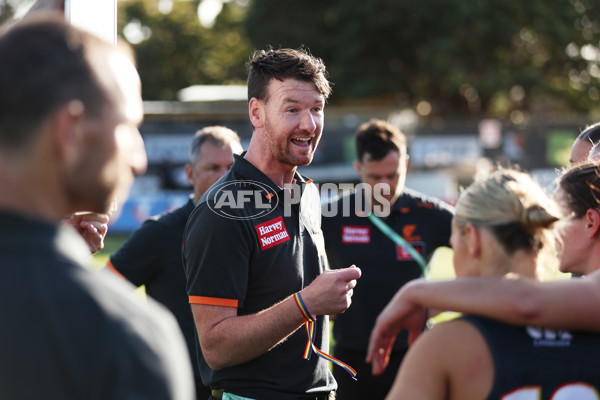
353,234
272,233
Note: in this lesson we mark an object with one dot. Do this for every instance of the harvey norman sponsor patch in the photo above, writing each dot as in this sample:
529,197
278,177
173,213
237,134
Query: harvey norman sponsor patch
356,234
272,233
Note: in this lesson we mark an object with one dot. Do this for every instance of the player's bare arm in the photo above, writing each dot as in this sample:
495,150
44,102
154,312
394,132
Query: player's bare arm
429,370
562,304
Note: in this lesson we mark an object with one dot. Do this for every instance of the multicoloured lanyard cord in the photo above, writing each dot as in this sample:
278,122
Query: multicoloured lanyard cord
310,345
394,237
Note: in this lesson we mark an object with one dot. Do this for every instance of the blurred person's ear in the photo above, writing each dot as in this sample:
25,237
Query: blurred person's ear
473,238
189,173
592,227
66,124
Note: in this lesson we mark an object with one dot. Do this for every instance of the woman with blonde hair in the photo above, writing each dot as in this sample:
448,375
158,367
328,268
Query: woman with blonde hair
502,225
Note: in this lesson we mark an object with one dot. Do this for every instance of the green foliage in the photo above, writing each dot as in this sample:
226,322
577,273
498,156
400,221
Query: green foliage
225,61
458,55
6,11
477,57
178,51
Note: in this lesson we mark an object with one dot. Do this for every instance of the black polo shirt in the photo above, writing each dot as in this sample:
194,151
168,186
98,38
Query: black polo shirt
73,333
423,221
151,256
247,246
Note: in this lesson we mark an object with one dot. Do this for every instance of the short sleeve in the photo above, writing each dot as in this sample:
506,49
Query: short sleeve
138,258
216,252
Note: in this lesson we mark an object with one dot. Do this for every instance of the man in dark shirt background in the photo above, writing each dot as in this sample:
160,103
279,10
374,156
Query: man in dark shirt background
352,236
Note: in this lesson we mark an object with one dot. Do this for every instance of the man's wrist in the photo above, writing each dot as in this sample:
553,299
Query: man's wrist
308,317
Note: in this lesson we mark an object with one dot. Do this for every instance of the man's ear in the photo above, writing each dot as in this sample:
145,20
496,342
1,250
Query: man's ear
356,166
189,173
66,125
592,223
473,237
256,111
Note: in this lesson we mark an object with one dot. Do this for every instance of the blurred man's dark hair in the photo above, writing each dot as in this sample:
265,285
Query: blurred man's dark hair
377,138
46,72
591,133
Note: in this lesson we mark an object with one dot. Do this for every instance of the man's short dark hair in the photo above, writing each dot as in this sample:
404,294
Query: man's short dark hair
46,63
285,63
591,133
377,138
218,135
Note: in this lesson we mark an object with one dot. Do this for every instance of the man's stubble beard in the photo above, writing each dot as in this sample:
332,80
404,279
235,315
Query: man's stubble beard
284,155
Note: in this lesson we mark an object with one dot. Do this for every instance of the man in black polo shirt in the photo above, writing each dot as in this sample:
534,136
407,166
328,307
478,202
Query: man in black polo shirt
253,247
70,105
351,235
152,254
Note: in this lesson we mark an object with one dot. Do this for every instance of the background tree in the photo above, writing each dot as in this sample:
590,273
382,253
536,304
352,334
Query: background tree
6,11
174,50
477,57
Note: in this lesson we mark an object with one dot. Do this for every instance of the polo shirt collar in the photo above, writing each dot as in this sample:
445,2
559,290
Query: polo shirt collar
251,173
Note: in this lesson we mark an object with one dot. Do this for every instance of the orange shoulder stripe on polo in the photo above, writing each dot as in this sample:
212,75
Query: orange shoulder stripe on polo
213,301
113,269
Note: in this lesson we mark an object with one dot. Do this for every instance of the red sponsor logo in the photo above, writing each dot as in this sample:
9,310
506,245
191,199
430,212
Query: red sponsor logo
408,233
356,234
403,255
272,233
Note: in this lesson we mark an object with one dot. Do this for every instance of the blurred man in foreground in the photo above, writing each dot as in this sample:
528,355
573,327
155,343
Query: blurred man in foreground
70,105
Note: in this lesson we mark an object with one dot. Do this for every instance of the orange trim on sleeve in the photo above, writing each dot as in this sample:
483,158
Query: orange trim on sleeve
213,301
308,182
114,270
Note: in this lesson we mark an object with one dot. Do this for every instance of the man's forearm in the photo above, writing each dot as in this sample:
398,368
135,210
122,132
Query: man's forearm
237,339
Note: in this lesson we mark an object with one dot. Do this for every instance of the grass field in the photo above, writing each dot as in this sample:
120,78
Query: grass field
441,267
441,263
111,243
